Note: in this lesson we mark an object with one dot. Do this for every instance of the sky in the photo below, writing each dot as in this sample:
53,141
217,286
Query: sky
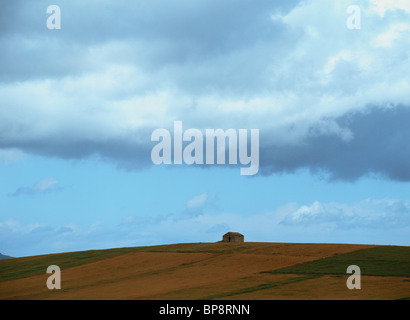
78,106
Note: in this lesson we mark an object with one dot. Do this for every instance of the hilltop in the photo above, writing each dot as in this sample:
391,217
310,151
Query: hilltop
213,271
2,256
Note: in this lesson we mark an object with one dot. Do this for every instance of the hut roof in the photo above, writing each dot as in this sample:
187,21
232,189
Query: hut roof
233,234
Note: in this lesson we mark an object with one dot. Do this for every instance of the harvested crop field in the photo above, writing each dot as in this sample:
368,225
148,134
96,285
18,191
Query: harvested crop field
213,271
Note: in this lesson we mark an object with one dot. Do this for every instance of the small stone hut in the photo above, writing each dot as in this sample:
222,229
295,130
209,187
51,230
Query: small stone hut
233,237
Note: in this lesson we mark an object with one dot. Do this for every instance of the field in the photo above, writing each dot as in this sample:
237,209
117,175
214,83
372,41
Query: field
213,271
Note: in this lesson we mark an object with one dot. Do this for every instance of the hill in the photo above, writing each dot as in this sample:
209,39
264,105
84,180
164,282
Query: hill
2,256
213,271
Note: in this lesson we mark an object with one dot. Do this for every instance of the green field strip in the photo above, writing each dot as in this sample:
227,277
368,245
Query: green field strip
377,261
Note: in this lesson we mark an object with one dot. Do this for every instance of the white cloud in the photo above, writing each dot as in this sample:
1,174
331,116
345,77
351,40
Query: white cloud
396,32
10,156
42,186
197,201
45,184
369,213
383,6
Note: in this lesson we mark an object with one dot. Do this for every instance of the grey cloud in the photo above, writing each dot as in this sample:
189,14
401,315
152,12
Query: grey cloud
380,145
216,51
62,230
42,229
158,35
126,153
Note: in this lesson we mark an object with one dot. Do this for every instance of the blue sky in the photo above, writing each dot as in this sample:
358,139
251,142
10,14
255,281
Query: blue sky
78,106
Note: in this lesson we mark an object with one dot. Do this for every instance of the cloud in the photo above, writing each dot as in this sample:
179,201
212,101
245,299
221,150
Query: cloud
377,144
368,214
45,185
394,33
64,229
317,91
10,156
373,221
197,206
383,6
197,201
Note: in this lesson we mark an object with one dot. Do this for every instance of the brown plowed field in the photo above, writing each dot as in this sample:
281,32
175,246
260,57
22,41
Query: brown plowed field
196,271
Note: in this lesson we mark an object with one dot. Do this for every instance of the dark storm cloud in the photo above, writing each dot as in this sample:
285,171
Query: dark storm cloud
128,155
380,145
